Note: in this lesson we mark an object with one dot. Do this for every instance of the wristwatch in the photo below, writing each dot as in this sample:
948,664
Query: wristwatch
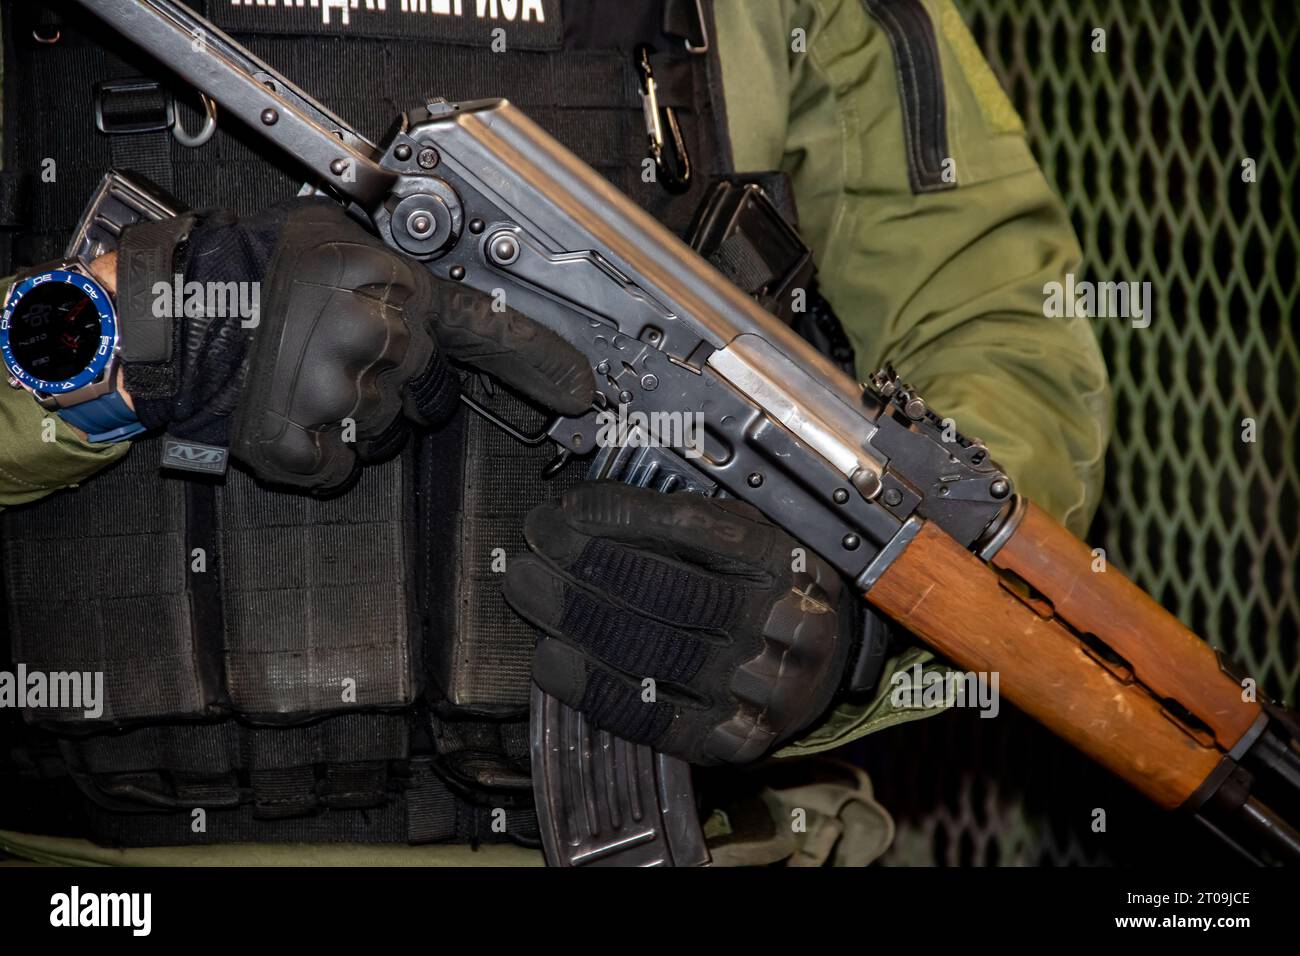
59,335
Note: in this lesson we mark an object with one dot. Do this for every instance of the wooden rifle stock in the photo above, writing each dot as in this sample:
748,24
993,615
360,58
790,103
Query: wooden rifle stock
1086,653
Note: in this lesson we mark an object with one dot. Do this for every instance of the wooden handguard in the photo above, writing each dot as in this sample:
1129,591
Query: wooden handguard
1127,708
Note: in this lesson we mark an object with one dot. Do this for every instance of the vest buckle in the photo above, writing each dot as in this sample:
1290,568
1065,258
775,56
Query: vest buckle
137,105
142,105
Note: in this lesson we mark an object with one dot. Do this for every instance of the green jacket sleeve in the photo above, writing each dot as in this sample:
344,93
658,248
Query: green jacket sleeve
947,285
41,453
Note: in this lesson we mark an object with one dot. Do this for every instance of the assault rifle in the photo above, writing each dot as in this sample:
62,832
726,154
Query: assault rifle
931,531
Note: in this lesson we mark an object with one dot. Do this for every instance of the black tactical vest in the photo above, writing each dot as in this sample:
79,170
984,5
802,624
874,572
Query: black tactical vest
302,670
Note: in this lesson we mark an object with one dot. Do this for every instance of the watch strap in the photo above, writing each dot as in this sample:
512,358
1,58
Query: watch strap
107,419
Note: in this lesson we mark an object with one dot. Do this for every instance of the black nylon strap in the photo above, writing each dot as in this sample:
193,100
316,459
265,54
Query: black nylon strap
432,810
146,256
148,151
195,750
740,262
353,786
15,195
283,792
675,79
134,105
341,762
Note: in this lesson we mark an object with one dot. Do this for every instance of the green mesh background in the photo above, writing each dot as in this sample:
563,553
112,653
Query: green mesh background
1145,144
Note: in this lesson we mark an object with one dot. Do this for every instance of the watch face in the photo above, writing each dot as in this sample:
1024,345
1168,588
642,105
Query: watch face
58,331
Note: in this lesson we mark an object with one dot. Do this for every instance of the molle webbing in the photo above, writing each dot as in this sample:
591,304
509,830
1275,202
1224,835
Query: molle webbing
422,810
99,579
480,650
280,772
196,600
283,785
581,90
299,594
316,595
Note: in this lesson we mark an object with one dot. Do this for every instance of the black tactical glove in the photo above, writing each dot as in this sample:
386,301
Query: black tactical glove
742,634
348,336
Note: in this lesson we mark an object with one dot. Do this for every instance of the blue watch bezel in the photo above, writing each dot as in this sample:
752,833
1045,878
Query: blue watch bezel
103,304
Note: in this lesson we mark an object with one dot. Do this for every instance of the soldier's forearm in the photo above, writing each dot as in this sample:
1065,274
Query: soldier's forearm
42,453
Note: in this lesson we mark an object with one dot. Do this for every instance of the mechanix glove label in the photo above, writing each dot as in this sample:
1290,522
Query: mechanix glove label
194,456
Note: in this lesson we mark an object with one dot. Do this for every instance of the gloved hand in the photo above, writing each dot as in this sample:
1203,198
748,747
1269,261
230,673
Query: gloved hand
346,329
699,595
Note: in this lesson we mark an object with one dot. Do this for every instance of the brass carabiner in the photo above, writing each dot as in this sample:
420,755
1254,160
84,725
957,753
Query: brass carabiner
675,174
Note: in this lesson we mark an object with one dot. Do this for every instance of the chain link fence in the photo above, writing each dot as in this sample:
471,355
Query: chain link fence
1176,150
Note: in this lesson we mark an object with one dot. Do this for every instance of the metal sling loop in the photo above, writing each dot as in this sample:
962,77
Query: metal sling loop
195,140
675,176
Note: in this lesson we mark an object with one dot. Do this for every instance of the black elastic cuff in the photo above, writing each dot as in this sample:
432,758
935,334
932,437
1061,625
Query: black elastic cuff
872,642
387,444
152,412
434,392
150,382
206,427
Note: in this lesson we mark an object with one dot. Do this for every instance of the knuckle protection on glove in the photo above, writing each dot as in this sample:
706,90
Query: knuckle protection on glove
790,682
343,332
744,650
